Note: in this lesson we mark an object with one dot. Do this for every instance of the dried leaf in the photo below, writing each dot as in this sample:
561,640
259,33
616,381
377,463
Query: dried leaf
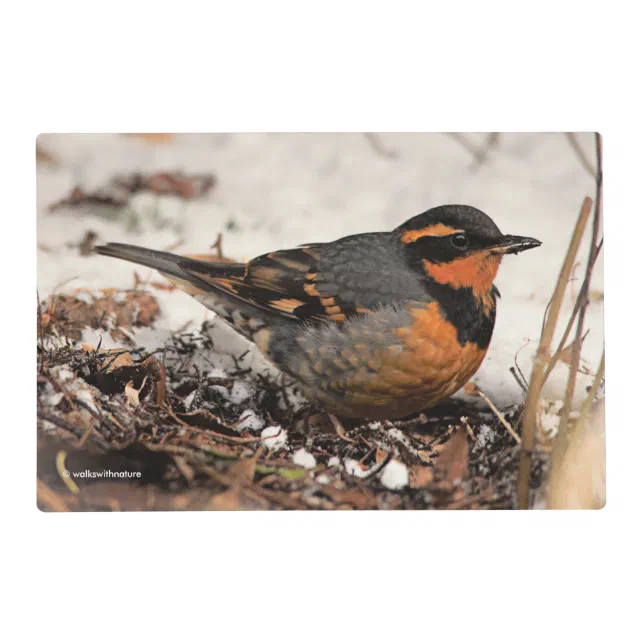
381,455
452,463
123,358
420,476
157,371
243,471
109,310
566,352
353,497
117,193
228,500
132,394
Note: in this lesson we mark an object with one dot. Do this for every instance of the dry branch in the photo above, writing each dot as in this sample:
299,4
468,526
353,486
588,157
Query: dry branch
543,354
583,296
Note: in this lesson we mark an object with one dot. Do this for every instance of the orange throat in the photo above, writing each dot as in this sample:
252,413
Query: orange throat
476,271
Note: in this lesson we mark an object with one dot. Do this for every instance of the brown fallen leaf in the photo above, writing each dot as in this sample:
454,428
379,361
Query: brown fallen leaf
123,358
132,394
420,476
566,352
109,310
228,500
452,464
117,193
355,498
157,371
243,472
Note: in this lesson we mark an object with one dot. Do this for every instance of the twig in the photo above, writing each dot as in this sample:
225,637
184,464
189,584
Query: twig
585,410
491,141
500,416
583,295
574,143
536,380
468,428
209,432
339,429
376,143
218,245
580,300
479,154
515,371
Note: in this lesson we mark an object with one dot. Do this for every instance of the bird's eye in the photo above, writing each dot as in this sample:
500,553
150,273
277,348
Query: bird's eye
460,241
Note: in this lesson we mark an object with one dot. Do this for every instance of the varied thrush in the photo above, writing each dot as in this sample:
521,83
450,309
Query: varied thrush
374,325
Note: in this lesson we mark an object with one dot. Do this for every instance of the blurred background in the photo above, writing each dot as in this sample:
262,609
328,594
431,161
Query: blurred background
262,192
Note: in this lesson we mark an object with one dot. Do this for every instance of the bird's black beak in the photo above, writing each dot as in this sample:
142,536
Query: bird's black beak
513,244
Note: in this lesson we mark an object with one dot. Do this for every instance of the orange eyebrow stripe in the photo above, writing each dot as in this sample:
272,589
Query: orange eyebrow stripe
435,230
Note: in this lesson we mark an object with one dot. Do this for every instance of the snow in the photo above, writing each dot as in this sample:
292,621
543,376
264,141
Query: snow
280,190
395,475
304,458
353,468
274,437
250,420
484,435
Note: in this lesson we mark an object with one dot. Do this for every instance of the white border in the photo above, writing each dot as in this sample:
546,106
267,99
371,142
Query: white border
328,67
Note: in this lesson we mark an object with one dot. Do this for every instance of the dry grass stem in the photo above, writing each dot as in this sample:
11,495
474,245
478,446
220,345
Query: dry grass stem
583,296
543,353
500,416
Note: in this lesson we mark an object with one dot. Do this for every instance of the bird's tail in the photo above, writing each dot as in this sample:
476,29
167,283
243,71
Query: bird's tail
199,279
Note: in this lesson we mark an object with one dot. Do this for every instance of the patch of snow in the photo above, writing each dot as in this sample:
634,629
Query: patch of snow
188,400
484,435
353,468
85,296
86,396
62,374
240,391
304,458
395,475
549,415
52,400
274,437
250,420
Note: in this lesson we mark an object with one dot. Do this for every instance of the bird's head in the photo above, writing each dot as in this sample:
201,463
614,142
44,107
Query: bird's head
459,246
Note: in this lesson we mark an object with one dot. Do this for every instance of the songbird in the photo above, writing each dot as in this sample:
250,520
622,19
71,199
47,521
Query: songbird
375,325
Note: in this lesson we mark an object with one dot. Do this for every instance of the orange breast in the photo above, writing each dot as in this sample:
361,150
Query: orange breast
426,366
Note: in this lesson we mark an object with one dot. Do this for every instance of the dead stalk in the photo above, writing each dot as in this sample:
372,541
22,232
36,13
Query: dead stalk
583,295
543,353
564,338
500,416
